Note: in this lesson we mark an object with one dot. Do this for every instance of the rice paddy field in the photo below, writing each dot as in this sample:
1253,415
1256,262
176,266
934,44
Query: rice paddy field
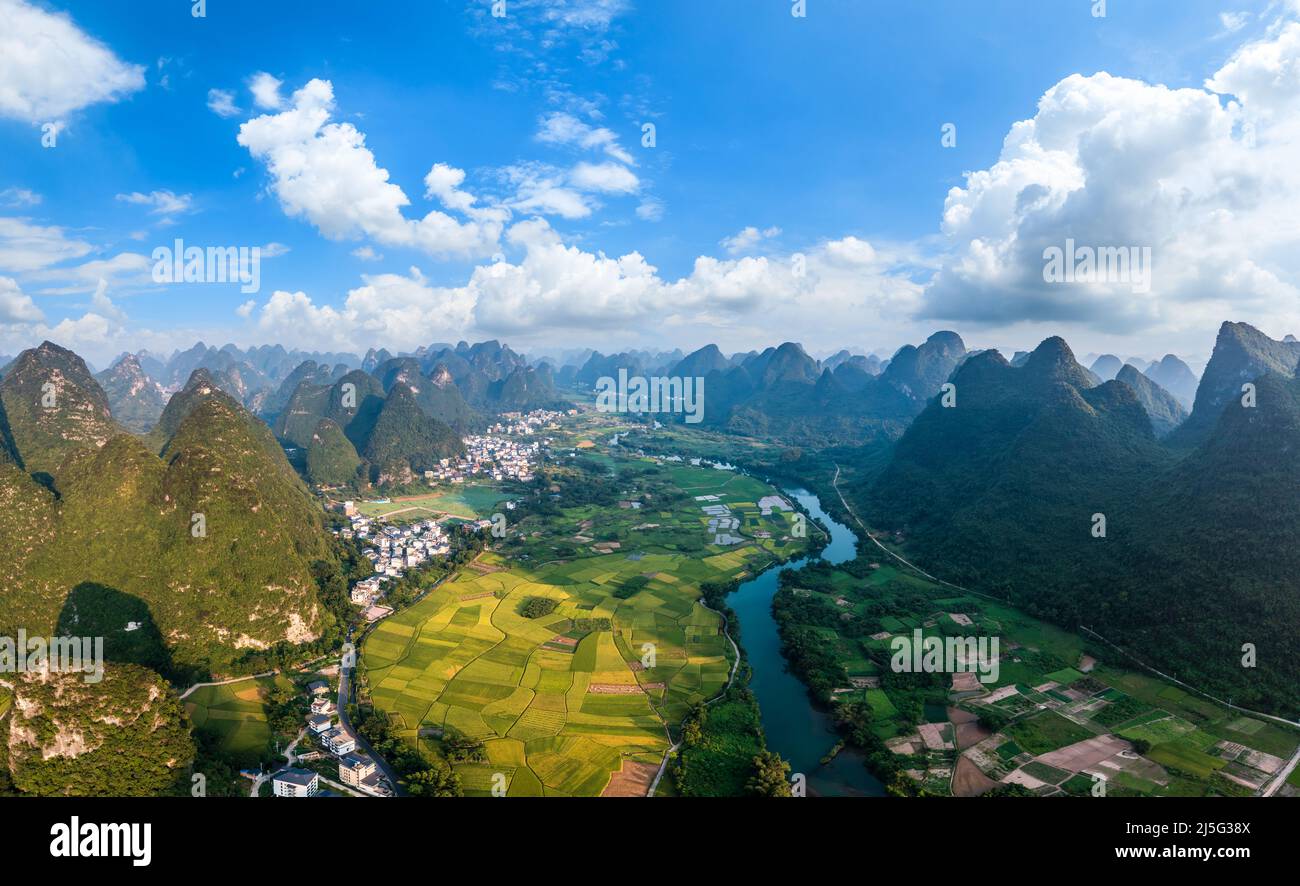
235,714
563,701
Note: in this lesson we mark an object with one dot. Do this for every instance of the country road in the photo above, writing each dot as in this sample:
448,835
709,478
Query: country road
344,695
288,755
184,694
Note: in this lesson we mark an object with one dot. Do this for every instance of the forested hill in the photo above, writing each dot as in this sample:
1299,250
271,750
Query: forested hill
1005,491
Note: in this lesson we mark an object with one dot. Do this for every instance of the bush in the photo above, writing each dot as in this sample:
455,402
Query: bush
537,607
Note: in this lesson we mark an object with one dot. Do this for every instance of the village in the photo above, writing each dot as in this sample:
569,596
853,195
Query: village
394,550
356,769
529,423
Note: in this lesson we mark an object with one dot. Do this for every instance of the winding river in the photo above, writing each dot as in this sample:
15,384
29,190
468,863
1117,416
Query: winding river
796,729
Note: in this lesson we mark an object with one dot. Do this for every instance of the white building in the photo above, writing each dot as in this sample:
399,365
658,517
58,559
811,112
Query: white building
295,783
339,742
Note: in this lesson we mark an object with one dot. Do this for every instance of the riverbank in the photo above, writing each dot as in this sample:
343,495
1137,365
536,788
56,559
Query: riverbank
795,727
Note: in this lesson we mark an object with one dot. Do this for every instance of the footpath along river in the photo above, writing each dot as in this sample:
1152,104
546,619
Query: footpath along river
796,729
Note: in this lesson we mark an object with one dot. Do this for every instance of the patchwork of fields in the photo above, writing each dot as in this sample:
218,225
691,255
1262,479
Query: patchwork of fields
561,702
1063,721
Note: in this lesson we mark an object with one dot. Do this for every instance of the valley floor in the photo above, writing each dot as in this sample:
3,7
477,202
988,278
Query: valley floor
584,698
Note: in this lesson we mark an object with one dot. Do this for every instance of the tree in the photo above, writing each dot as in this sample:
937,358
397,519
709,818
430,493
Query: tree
538,607
436,781
771,776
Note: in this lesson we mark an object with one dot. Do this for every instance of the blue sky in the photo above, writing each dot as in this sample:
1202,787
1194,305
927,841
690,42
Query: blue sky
778,139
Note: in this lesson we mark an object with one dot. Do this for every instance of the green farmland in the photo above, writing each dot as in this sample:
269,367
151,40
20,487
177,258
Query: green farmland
469,502
563,701
235,714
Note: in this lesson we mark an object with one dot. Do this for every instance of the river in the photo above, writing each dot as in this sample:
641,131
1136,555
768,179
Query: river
795,728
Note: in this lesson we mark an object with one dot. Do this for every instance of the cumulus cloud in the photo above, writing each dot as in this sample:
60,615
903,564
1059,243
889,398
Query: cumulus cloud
747,239
17,306
222,103
545,190
266,91
50,68
559,288
605,178
561,128
323,172
1204,177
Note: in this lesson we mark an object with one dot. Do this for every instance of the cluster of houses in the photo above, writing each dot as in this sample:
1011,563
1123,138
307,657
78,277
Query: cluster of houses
524,424
356,769
392,550
490,457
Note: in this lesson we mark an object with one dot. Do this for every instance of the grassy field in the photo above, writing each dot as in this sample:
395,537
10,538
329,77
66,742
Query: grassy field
470,501
235,714
561,701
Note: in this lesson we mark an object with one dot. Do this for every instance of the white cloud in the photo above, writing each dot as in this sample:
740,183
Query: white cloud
19,198
274,250
365,253
266,91
28,247
129,268
560,128
323,172
1210,184
160,202
50,68
1233,21
222,103
747,239
246,309
851,251
102,305
606,178
650,209
544,190
588,14
15,305
560,289
443,183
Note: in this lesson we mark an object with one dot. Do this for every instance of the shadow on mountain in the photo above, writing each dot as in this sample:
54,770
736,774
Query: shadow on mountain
124,621
7,445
